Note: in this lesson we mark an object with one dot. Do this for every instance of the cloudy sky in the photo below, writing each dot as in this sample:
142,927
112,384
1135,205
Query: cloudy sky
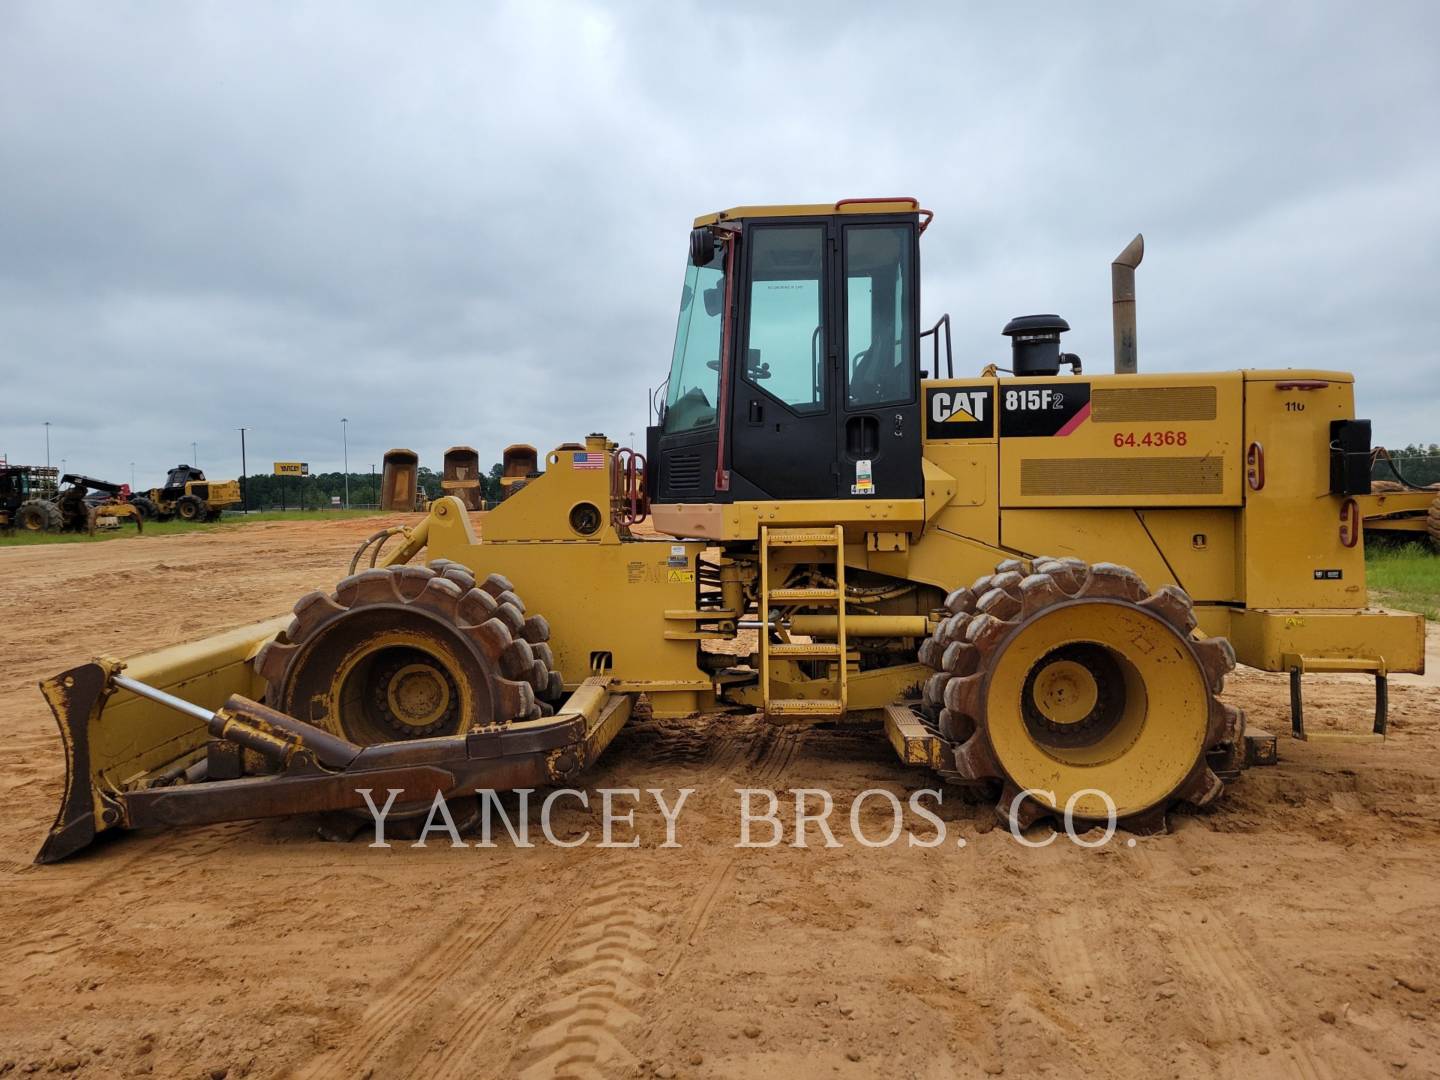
466,222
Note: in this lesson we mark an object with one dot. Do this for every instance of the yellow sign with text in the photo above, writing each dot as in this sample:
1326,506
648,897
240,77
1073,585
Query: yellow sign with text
292,468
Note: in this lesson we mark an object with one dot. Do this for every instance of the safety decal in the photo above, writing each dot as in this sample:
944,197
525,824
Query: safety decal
864,478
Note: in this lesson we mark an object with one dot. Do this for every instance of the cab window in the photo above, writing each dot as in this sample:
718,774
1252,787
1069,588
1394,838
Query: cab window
695,363
785,340
879,325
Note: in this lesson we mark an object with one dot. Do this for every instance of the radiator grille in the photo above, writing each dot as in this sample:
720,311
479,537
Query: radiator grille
1128,404
1109,476
682,472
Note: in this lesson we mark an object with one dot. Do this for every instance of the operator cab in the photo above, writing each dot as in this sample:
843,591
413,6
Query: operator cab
178,477
795,373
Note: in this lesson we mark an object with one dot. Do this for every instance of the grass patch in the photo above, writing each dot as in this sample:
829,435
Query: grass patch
173,527
1405,576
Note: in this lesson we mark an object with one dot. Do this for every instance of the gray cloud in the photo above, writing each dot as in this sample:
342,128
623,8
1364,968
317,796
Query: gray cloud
464,223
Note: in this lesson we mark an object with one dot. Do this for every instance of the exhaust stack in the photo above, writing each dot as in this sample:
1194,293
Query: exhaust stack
1122,292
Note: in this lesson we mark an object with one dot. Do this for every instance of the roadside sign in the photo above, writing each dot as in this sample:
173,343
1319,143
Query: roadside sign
292,468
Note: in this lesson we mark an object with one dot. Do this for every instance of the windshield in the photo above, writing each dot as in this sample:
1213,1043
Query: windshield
695,365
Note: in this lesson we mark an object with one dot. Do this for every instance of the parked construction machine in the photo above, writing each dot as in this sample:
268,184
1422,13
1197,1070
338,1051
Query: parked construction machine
87,504
27,497
188,496
38,499
1035,582
1401,510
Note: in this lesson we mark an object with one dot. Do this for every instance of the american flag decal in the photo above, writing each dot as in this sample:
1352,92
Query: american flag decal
589,461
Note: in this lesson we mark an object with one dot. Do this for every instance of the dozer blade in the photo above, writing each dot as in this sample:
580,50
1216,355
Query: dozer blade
115,740
163,745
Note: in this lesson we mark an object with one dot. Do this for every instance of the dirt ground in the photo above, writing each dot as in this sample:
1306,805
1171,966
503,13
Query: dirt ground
1291,931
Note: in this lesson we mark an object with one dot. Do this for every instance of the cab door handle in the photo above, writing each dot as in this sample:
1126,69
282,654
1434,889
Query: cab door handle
757,412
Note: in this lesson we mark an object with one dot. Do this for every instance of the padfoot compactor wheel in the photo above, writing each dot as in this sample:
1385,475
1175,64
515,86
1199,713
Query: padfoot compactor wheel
412,652
1069,680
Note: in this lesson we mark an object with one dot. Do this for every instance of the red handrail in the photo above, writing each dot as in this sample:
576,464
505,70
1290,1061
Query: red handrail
628,489
929,215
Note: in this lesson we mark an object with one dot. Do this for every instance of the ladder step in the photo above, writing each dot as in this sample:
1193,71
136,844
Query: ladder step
813,649
800,537
804,596
806,707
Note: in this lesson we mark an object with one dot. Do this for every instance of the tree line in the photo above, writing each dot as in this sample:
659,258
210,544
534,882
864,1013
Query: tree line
1420,464
264,491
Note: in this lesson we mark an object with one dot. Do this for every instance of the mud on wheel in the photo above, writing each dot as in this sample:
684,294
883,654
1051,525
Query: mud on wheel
412,652
38,515
1073,679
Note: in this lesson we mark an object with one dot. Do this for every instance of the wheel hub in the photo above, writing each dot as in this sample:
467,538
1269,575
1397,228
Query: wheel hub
1064,692
413,694
1073,696
417,695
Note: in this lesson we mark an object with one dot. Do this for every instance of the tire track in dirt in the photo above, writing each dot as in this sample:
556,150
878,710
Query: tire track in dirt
774,759
421,1009
776,752
473,1018
585,1034
728,750
391,1020
715,887
613,932
1237,1006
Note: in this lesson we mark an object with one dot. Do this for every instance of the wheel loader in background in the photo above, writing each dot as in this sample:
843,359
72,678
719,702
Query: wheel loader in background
188,496
1035,583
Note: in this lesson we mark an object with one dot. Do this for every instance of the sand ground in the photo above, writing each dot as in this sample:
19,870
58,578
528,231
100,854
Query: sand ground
1291,931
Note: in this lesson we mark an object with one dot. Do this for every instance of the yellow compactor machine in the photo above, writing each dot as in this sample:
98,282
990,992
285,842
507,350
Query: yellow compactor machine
1032,582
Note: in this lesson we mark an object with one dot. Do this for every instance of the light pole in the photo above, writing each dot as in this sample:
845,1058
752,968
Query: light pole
374,489
345,439
194,456
132,476
47,444
244,481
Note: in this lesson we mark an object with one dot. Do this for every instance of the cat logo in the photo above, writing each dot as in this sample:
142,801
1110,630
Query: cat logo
959,412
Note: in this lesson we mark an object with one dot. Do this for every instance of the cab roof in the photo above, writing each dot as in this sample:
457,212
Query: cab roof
900,205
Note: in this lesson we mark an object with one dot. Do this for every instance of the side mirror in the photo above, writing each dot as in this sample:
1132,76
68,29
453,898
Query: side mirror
702,247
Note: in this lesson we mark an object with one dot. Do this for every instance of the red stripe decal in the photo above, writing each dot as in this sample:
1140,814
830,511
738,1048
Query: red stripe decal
1076,420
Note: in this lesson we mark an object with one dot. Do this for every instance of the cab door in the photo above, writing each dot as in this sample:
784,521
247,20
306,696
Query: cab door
880,422
784,415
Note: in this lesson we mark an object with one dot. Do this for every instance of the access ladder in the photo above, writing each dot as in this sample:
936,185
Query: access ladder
824,699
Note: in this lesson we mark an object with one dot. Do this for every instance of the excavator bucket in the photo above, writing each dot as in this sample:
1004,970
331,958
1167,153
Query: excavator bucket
178,737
